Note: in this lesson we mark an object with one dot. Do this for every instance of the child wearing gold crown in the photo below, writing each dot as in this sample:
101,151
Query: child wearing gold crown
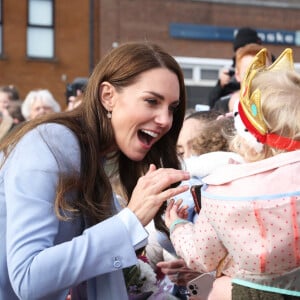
249,224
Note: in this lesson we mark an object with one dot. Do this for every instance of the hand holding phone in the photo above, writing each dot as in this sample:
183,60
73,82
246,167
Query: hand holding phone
201,286
196,193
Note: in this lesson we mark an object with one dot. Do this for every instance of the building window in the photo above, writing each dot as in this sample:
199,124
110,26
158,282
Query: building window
200,76
188,73
1,26
40,29
209,74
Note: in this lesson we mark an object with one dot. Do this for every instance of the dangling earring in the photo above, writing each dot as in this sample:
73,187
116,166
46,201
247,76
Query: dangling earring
108,115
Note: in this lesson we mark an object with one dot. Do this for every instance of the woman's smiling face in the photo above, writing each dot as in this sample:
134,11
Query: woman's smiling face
142,112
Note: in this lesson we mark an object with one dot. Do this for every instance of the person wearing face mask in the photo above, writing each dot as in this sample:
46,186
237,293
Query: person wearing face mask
74,92
60,224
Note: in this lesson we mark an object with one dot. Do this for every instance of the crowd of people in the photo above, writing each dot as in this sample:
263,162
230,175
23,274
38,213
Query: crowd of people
96,199
37,102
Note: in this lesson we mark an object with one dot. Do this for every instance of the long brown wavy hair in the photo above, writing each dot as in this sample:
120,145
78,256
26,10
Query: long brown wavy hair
89,122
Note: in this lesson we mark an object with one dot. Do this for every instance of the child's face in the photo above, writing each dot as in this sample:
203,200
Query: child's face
190,129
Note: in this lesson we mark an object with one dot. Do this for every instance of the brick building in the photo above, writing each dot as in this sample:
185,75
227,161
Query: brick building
47,43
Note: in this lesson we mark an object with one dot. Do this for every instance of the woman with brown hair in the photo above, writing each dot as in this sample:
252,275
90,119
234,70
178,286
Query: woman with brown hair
59,221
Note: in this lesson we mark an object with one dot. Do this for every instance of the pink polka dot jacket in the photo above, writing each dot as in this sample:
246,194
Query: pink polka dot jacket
250,220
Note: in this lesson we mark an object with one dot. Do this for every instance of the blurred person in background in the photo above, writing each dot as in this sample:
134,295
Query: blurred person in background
10,118
15,111
8,94
227,82
6,124
243,58
38,103
74,92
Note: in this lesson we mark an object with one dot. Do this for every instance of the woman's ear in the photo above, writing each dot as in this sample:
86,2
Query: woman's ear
106,95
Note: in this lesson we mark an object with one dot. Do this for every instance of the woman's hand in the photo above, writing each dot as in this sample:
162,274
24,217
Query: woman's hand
153,189
177,271
175,211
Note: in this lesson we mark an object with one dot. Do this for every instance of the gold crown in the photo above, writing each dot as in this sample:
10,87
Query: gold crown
250,103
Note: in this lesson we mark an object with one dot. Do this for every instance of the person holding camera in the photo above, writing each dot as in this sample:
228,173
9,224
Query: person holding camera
244,57
74,92
227,83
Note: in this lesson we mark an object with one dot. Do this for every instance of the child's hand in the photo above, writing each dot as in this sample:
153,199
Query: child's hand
182,211
175,211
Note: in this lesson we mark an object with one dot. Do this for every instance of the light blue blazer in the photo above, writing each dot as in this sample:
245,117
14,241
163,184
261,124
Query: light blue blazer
41,257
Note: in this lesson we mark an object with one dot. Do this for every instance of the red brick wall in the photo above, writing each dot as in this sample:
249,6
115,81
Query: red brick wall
149,19
71,48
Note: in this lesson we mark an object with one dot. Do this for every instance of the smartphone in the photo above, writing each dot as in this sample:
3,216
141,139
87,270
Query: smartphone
196,193
201,285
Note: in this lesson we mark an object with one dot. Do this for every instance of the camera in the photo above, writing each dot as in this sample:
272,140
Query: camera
79,83
231,72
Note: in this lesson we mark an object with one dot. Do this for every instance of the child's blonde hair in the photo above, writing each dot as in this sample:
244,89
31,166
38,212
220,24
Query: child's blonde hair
280,103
